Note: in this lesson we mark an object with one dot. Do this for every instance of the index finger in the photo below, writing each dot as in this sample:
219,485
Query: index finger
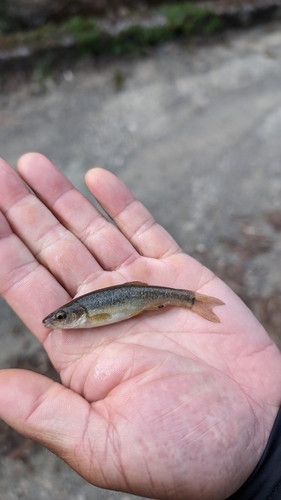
27,286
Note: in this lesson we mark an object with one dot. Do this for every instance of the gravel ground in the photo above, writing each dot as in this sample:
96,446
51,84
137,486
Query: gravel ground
195,131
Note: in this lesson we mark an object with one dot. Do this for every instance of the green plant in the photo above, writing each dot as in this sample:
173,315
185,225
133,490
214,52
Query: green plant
85,33
118,79
43,68
187,18
182,19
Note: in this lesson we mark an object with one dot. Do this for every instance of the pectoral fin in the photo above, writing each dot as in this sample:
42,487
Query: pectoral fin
99,318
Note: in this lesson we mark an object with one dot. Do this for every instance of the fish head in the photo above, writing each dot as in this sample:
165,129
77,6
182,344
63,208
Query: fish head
72,316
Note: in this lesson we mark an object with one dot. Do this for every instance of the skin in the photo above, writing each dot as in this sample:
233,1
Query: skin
167,405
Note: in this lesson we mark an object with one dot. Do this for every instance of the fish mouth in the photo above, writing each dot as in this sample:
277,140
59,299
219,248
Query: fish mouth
48,322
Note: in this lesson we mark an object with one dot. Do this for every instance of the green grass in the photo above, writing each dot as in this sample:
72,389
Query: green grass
43,69
85,33
188,19
182,20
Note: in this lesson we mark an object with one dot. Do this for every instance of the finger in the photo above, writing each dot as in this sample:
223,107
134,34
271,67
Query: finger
133,219
63,422
27,287
49,413
50,242
100,236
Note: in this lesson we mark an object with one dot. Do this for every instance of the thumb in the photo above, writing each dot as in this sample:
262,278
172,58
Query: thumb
45,411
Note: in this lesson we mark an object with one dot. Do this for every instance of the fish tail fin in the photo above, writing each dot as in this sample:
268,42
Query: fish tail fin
203,305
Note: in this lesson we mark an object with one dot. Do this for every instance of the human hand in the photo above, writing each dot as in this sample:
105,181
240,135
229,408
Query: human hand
164,405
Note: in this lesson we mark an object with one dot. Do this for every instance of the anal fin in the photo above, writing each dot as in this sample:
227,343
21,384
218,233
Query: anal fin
155,307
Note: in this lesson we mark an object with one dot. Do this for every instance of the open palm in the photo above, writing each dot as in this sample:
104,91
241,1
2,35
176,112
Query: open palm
167,404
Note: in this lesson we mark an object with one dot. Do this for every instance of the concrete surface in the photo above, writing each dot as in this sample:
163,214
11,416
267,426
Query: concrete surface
196,134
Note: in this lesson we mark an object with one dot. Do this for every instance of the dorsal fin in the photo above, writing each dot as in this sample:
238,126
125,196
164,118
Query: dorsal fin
129,283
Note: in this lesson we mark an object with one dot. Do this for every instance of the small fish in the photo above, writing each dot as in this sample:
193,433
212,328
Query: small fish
120,302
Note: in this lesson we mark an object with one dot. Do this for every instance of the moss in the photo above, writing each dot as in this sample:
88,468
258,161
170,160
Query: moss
43,68
183,19
118,80
84,30
188,19
136,38
90,39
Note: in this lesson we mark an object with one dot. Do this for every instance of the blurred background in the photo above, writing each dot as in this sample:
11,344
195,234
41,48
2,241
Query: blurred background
182,101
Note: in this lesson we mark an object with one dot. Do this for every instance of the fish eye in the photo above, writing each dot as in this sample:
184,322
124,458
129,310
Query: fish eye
60,315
